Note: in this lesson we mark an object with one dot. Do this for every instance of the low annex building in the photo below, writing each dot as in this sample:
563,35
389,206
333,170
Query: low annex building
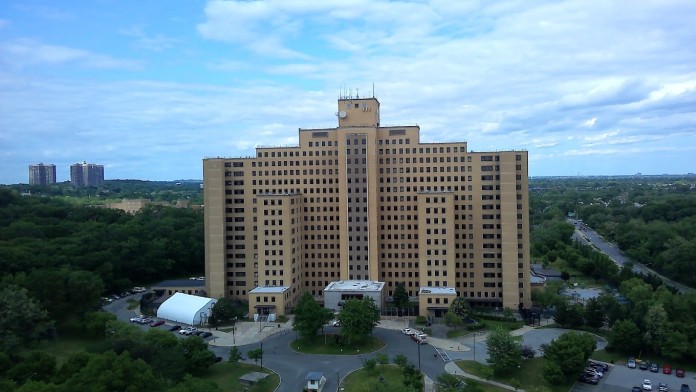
270,300
436,299
336,293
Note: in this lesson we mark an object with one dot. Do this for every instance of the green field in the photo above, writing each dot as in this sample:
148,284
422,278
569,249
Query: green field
226,375
529,375
360,380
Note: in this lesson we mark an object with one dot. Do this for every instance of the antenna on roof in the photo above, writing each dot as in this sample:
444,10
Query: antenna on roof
373,90
357,93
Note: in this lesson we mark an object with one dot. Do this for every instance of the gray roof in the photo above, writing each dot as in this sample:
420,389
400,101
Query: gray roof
314,376
180,283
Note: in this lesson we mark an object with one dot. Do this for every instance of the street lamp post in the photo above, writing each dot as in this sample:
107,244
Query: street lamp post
234,322
419,362
474,346
262,354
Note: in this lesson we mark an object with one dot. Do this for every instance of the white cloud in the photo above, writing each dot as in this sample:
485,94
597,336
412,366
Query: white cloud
590,123
27,52
155,42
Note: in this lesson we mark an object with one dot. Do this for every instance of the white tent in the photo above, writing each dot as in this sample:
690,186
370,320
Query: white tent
186,309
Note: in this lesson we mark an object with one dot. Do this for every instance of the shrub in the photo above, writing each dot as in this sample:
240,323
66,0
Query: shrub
421,320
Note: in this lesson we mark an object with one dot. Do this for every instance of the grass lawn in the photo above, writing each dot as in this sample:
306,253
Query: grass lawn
458,332
326,344
527,376
360,380
226,375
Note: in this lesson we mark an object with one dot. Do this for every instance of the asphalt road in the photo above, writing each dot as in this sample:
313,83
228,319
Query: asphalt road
293,366
587,235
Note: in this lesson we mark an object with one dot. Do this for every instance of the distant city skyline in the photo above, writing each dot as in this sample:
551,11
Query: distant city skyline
150,89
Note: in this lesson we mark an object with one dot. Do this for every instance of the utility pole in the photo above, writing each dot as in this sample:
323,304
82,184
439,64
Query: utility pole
262,354
474,346
419,362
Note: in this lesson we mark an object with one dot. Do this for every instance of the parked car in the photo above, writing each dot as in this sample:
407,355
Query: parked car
136,318
654,368
336,323
667,369
680,373
593,371
139,289
685,388
662,387
636,389
156,323
643,365
604,366
589,379
218,359
188,330
175,328
647,385
206,335
407,331
144,321
631,363
198,333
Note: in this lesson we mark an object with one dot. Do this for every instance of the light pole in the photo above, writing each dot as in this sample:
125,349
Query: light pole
419,364
234,322
474,346
338,381
262,355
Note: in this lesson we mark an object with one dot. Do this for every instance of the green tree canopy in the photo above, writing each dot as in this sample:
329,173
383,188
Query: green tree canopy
310,316
461,308
569,352
503,351
358,317
22,319
400,297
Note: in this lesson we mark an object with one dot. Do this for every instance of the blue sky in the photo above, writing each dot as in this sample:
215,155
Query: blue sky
150,88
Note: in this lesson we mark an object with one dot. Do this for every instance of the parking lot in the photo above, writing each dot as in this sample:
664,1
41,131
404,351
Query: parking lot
620,378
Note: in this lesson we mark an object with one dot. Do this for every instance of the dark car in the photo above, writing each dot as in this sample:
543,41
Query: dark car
654,368
603,366
685,388
680,373
218,359
663,387
643,366
175,328
206,334
156,323
589,379
198,333
636,389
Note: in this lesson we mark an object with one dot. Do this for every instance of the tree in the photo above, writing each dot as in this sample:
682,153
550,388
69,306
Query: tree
594,314
113,372
503,351
449,382
569,352
568,316
196,354
527,351
655,325
96,322
255,354
37,366
452,319
225,311
400,297
413,378
193,384
358,317
310,316
369,365
382,358
22,319
461,308
235,355
400,360
625,337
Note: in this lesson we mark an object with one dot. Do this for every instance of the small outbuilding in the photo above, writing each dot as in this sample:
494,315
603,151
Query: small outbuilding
186,309
315,381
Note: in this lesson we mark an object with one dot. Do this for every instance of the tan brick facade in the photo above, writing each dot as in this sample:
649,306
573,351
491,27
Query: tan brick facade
367,202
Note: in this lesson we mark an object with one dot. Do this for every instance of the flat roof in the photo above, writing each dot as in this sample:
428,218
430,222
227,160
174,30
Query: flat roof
437,290
355,285
269,289
180,283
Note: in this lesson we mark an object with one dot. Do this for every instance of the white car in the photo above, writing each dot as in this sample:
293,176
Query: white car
188,330
647,385
407,331
336,323
136,318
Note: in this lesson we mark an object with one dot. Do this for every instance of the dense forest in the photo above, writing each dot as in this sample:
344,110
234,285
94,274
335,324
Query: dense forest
652,219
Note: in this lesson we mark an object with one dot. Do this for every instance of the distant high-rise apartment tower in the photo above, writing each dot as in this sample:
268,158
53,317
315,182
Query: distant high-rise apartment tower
42,174
86,174
364,203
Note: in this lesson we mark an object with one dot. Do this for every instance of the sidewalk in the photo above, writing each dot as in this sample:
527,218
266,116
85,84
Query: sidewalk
452,368
248,332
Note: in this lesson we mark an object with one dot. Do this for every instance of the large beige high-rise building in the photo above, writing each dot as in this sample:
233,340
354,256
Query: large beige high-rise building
365,202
